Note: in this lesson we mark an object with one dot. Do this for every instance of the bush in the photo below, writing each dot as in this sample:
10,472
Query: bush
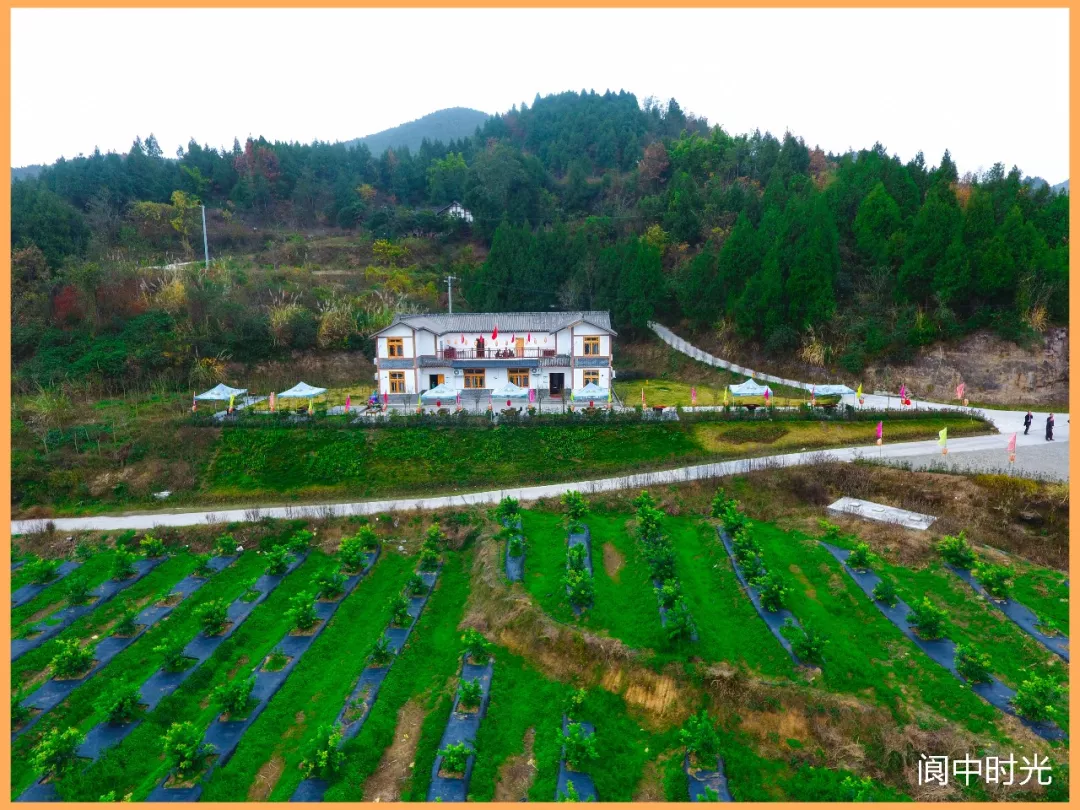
42,571
301,612
251,593
928,620
323,757
71,659
574,703
277,560
701,739
860,557
1039,699
668,593
380,654
202,566
830,532
580,747
331,584
649,524
125,625
507,510
720,503
996,579
807,643
575,558
121,704
956,550
171,649
184,749
429,559
471,692
435,538
300,541
885,591
680,623
576,507
352,553
476,646
660,557
19,713
455,757
84,551
123,565
212,616
76,589
643,500
516,545
234,697
415,585
368,539
773,591
579,587
226,545
745,546
152,546
56,753
973,665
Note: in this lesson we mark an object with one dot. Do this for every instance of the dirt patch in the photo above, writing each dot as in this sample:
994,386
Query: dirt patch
652,692
651,786
517,773
398,760
799,575
266,779
613,561
786,724
243,660
45,612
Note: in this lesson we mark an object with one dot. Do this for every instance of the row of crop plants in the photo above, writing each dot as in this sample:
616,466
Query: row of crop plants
659,553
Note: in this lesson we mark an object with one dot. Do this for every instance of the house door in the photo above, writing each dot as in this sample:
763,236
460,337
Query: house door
555,385
434,380
519,347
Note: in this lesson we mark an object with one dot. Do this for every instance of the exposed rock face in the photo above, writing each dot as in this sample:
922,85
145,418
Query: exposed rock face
995,371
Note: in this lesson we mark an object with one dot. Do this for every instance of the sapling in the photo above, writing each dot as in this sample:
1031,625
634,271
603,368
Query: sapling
574,703
184,750
125,625
171,649
19,713
830,533
516,545
576,507
152,547
415,585
301,613
123,565
226,545
381,654
996,579
575,558
928,620
435,538
885,591
429,559
212,617
76,589
701,739
56,753
471,692
233,697
455,757
323,757
860,557
331,584
956,550
579,587
806,642
680,623
476,646
84,551
251,593
660,557
42,571
369,541
773,591
277,560
580,747
719,504
1039,698
507,510
300,541
668,593
644,499
71,659
649,524
352,554
121,704
973,665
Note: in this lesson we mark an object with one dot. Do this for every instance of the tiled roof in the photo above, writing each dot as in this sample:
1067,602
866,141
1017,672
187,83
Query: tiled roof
441,323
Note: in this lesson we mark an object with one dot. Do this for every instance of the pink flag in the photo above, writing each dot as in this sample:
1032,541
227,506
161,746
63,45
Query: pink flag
903,391
532,395
693,395
960,391
878,436
386,397
529,338
273,401
1012,444
194,404
458,397
767,392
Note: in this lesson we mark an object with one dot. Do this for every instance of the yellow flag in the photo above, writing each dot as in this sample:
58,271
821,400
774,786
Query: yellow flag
859,392
943,436
725,397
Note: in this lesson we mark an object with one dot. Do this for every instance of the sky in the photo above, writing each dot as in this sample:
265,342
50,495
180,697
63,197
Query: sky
913,79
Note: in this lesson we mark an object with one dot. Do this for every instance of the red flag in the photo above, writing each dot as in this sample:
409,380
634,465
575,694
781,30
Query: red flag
529,339
495,332
513,338
463,338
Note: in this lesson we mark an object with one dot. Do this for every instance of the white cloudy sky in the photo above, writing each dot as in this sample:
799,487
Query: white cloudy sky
991,85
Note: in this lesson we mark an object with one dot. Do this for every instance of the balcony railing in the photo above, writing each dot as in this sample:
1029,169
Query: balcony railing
492,354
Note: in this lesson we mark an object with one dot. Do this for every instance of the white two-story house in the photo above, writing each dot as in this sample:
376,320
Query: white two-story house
481,351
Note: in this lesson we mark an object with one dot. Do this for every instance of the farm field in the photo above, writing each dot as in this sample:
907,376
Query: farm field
821,728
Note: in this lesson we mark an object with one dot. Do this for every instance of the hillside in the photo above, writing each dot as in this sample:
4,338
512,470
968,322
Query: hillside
443,125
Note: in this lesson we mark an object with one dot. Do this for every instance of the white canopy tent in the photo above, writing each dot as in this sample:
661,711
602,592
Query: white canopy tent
302,391
832,390
438,393
510,391
591,391
749,388
220,393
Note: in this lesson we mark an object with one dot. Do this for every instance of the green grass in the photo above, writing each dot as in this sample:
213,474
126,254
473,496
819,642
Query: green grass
135,664
96,570
867,655
317,688
1043,590
135,766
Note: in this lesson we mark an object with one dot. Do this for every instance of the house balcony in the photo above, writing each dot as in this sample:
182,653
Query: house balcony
494,358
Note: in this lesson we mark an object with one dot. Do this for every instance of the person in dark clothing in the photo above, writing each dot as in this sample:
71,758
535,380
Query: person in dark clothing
1050,428
1028,419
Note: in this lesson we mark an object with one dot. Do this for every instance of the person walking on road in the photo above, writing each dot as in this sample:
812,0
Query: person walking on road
1028,419
1050,428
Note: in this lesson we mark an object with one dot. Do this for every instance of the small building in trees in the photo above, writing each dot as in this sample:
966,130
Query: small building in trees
456,210
477,352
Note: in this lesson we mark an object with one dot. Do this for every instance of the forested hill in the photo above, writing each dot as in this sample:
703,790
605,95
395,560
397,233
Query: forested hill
581,200
442,125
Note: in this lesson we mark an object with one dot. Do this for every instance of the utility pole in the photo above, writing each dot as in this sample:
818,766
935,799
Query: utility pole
205,246
450,293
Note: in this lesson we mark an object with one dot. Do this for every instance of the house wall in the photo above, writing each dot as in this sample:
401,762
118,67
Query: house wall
399,331
425,342
581,331
410,380
579,377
